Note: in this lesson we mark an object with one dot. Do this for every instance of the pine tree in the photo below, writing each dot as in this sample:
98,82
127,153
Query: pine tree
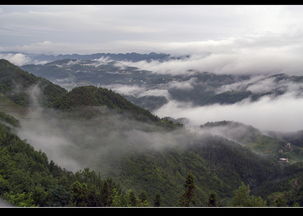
142,197
189,186
157,201
106,194
132,200
79,193
212,202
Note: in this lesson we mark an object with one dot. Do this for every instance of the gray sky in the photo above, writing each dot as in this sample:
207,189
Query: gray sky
146,28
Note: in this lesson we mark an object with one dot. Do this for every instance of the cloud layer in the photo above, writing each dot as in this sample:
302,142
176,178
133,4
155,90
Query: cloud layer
251,55
19,59
281,114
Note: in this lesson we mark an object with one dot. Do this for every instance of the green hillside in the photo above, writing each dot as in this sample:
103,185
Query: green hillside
28,178
15,84
218,166
86,97
270,145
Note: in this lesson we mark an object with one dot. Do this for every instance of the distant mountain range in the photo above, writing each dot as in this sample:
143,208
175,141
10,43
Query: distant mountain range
152,90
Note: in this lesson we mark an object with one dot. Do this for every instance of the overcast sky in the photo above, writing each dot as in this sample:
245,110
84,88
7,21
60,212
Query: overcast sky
146,28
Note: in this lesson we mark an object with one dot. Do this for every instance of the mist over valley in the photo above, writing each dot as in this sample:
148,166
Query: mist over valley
132,106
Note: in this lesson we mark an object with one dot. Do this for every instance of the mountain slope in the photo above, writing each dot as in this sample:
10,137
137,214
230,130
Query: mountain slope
268,144
90,96
15,84
28,179
218,166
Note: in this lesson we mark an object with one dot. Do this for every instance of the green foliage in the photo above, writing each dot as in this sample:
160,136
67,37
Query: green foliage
242,198
9,119
118,198
20,199
212,201
277,199
14,84
86,98
93,96
218,167
189,187
157,201
131,198
27,178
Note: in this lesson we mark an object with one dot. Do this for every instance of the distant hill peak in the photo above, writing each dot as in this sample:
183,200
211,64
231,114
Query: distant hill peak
225,123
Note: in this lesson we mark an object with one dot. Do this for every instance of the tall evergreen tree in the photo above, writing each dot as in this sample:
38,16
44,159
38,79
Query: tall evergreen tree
212,202
79,193
189,186
157,201
106,198
132,200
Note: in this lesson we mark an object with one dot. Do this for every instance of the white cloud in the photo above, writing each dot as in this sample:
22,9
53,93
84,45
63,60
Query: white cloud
132,90
249,55
264,84
17,59
282,114
188,84
155,92
20,59
240,86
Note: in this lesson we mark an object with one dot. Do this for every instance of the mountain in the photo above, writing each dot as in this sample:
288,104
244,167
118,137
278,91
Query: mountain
15,83
151,90
101,130
246,135
91,96
134,57
17,87
28,179
218,166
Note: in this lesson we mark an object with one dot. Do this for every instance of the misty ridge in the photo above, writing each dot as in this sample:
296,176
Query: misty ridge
110,137
102,141
194,84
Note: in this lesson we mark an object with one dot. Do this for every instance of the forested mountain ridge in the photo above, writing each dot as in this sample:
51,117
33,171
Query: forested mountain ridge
115,56
17,86
151,89
90,96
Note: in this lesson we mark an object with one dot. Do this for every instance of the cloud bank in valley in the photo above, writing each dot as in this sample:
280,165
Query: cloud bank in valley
98,143
233,56
280,114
